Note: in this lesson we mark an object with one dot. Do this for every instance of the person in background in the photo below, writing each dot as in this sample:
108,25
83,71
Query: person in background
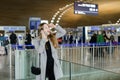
60,41
113,43
80,38
28,40
5,43
106,36
106,39
112,39
70,38
100,42
65,39
93,38
46,44
1,39
13,38
92,41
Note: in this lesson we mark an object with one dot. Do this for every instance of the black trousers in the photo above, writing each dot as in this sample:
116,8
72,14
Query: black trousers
50,70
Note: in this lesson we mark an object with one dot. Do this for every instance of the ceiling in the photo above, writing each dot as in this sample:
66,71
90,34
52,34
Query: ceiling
17,12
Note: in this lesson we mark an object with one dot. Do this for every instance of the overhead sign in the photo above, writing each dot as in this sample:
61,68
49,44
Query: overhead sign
85,8
13,28
34,22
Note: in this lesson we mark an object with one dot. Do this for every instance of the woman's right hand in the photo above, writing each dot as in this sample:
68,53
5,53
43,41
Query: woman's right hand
43,34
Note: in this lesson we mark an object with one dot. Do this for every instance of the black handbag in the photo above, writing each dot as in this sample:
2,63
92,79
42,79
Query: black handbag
35,70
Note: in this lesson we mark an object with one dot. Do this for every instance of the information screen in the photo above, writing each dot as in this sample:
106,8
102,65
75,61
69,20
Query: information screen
34,22
85,8
95,28
109,28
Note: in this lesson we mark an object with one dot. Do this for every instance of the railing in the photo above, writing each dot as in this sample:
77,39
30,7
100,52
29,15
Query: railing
21,60
77,63
102,56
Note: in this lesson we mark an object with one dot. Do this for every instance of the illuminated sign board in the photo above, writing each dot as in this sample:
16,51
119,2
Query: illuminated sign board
95,28
85,8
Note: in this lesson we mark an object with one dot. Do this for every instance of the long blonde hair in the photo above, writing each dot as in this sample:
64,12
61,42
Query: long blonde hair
52,37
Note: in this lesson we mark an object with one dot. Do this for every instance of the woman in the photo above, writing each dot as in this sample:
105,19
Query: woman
46,45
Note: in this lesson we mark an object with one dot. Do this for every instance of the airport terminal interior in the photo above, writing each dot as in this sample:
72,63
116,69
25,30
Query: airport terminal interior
88,51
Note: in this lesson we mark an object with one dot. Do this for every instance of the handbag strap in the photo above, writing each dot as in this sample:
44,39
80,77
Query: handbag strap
38,59
35,56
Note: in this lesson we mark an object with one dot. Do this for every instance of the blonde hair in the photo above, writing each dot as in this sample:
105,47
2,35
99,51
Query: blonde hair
52,36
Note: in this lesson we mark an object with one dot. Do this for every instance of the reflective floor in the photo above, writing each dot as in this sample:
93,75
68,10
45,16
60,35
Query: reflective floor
71,71
79,72
7,72
4,68
83,66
